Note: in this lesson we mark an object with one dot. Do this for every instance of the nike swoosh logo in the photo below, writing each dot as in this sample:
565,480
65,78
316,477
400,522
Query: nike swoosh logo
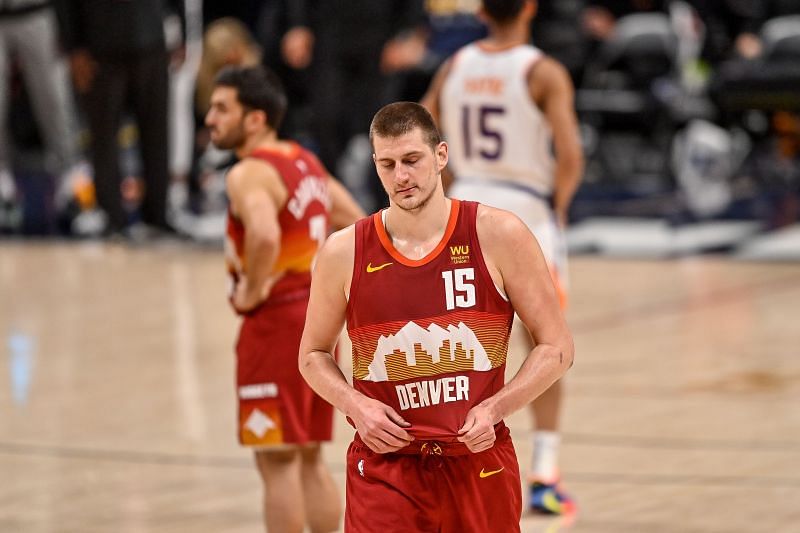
371,268
491,472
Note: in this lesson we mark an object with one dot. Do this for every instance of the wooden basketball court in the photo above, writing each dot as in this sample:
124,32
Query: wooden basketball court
117,400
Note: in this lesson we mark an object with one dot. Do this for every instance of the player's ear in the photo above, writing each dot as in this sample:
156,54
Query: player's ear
441,155
255,119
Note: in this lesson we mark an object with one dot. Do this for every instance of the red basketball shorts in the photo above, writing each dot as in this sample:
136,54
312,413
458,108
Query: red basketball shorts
447,493
276,405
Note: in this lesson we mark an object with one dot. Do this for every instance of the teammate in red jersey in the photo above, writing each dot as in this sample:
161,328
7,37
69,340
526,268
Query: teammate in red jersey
282,202
428,288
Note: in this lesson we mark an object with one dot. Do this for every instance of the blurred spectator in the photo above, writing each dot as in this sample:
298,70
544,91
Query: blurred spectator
226,41
754,85
630,43
182,82
600,16
553,31
748,41
244,10
356,43
730,28
119,57
755,50
451,25
288,43
29,38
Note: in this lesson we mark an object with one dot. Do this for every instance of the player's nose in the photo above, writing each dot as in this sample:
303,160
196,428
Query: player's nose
401,174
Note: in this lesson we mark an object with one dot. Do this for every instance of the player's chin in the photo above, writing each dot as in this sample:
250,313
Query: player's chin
220,142
408,201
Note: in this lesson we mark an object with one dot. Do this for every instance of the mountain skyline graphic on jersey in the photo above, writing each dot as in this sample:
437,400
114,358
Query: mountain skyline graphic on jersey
417,351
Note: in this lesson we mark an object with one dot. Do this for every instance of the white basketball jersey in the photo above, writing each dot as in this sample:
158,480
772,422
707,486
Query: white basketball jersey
494,129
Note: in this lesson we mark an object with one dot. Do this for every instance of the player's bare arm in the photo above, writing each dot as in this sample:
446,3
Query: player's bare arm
517,266
379,426
344,209
256,192
431,98
431,102
552,91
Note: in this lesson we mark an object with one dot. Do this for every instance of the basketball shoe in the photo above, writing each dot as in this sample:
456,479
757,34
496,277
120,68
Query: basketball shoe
549,498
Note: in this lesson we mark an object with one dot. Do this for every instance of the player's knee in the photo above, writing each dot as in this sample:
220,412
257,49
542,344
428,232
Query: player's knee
310,454
272,459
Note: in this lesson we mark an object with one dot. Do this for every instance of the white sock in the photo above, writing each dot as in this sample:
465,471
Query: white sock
545,456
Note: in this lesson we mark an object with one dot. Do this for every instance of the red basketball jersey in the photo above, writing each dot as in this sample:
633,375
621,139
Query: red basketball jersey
304,220
430,336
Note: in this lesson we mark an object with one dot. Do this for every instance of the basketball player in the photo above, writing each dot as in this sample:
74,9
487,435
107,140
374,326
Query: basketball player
282,202
501,104
428,288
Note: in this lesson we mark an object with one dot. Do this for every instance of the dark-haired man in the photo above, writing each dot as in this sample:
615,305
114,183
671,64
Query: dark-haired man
428,288
282,202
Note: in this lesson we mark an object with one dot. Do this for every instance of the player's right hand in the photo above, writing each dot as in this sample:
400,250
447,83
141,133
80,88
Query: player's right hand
380,427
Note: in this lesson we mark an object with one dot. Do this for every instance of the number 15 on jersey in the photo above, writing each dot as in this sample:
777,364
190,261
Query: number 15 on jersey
459,288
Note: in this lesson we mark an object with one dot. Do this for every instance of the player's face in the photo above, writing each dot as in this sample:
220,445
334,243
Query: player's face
409,169
225,119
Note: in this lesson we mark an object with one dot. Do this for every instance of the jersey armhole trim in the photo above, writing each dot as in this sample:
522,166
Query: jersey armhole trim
481,262
358,247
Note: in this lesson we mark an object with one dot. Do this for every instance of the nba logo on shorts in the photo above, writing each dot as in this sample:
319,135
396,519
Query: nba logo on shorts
361,467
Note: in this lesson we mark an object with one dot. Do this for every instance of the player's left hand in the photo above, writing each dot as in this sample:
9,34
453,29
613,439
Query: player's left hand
477,433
